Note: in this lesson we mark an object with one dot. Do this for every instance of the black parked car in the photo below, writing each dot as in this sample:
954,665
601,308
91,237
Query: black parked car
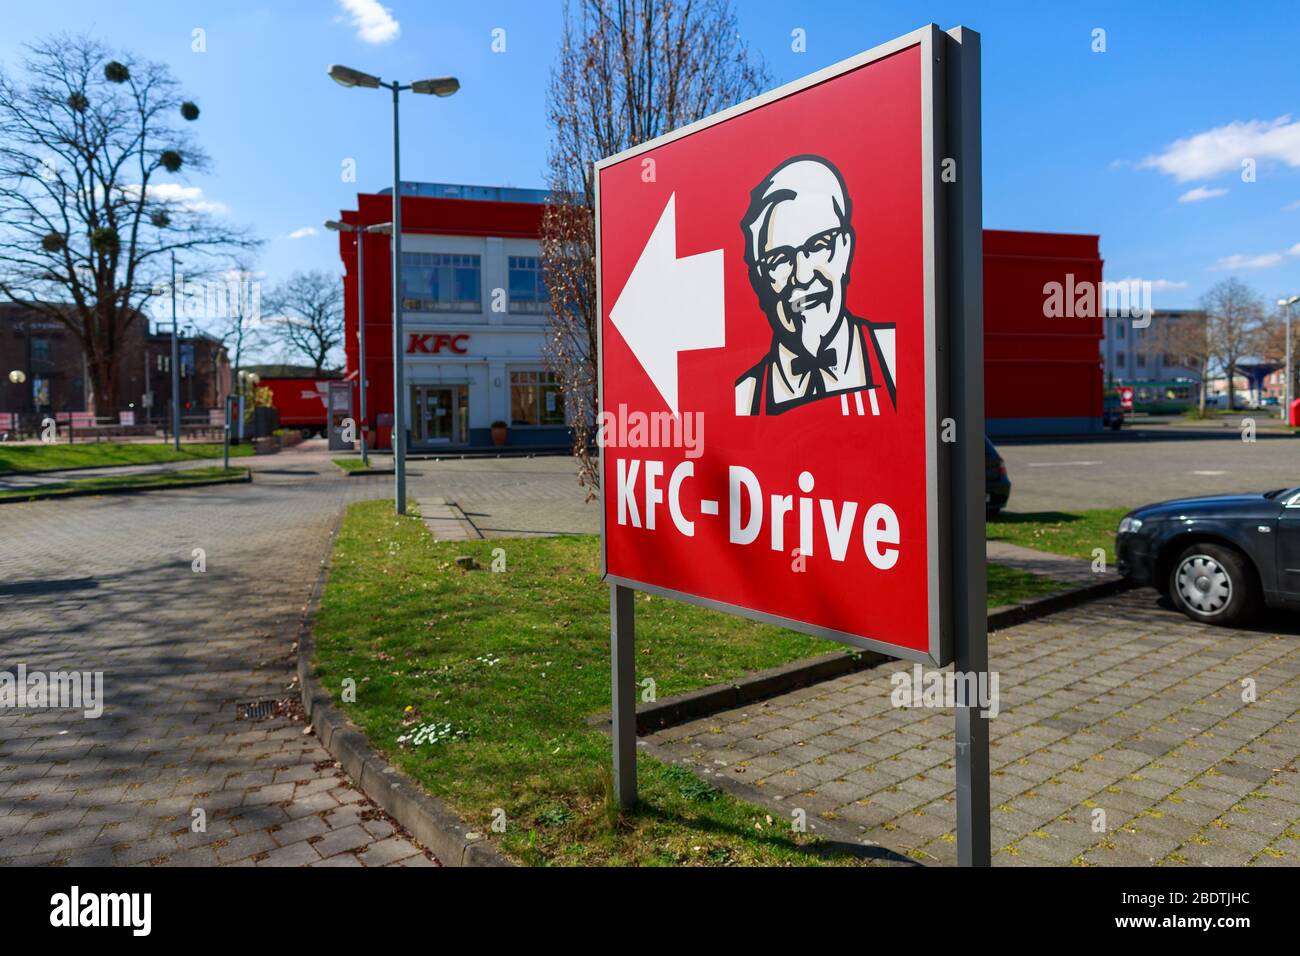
1219,559
997,486
1112,413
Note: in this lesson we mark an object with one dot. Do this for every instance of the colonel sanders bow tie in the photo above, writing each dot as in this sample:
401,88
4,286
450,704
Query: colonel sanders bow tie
803,364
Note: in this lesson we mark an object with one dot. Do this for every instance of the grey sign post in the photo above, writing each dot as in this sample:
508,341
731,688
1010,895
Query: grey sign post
965,286
225,448
622,646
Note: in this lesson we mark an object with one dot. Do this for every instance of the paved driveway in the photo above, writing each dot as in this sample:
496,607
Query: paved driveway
1123,739
1125,472
107,584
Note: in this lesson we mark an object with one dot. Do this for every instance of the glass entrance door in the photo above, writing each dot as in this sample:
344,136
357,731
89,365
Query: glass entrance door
441,414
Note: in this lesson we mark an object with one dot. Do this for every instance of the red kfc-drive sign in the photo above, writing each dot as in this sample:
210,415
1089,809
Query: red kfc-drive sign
770,386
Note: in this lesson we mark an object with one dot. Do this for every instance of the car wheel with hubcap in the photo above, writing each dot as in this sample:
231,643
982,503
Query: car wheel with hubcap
1213,584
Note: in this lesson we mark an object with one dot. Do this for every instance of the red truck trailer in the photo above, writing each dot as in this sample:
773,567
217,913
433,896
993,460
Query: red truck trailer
300,402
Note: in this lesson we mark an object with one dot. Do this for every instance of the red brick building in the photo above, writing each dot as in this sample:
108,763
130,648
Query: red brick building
49,355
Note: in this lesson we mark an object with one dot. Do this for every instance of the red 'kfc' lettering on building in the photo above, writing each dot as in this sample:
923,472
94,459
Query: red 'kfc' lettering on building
432,343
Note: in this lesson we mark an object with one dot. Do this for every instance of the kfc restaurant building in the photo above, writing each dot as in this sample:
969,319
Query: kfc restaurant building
474,310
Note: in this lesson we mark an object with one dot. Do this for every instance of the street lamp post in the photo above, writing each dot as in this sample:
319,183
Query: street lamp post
385,228
1287,388
176,369
443,86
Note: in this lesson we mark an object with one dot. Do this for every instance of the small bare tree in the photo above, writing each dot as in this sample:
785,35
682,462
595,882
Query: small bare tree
89,213
305,315
1234,315
238,322
628,71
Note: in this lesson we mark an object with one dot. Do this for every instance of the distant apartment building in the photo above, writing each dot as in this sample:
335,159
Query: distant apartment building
1153,357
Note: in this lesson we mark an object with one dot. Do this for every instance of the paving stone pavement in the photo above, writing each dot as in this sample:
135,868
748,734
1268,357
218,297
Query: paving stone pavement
107,584
1120,706
510,497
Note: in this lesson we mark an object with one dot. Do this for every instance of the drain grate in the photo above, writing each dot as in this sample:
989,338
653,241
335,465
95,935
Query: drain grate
257,710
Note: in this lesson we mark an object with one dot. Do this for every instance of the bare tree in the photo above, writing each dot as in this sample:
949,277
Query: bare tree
89,213
628,71
305,314
1183,338
239,324
1234,315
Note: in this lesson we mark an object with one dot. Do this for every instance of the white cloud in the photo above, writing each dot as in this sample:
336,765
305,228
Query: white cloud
1157,285
373,21
188,197
302,233
1265,261
1220,150
1199,193
1291,206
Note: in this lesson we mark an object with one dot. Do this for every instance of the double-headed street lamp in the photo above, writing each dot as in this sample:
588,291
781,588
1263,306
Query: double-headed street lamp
1286,403
443,86
384,228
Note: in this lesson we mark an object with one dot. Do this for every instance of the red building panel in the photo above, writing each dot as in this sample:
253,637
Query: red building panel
1042,375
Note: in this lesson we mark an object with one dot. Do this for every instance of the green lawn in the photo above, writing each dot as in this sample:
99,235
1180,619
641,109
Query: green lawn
354,465
1072,533
112,483
498,673
16,458
1012,586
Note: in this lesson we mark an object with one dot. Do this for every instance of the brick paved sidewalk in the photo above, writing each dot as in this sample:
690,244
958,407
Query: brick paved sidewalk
1119,706
107,584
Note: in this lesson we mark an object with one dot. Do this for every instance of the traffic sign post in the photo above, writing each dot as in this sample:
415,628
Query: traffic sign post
790,374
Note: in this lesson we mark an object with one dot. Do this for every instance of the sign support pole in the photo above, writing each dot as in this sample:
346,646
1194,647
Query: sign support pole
622,645
965,283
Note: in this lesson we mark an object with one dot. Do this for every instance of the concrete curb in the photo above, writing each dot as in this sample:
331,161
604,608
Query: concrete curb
761,685
435,825
120,464
89,492
752,687
1004,617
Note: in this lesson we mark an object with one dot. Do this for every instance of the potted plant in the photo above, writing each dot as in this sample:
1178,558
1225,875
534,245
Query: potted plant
499,432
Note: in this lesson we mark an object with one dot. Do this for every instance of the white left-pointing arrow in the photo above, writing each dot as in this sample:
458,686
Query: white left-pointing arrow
670,305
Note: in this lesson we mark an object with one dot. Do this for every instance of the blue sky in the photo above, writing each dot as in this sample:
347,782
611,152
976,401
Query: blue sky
1141,144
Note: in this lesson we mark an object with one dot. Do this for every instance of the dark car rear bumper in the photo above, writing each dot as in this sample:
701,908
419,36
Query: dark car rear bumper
996,495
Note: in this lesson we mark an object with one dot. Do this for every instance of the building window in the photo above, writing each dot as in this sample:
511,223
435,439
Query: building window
40,355
1141,361
535,399
1122,328
1119,359
440,282
527,286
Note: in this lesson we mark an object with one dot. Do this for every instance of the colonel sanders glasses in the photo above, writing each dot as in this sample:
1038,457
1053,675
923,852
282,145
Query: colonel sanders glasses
778,264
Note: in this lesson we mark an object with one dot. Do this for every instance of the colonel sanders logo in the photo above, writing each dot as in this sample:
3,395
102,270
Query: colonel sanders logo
799,246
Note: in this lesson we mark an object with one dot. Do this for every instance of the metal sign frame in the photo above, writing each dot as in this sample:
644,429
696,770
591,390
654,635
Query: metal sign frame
954,388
